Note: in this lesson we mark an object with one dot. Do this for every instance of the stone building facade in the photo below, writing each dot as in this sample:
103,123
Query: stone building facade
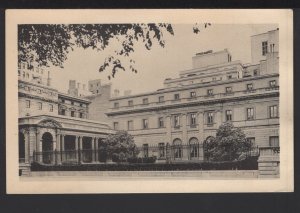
189,109
53,122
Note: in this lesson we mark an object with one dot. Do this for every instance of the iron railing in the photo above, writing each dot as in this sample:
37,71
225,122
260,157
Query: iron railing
162,153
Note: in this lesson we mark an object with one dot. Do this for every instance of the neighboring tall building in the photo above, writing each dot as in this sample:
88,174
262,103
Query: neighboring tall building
264,43
95,86
189,109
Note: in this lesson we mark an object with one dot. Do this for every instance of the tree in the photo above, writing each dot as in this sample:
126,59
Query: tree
119,146
229,144
49,44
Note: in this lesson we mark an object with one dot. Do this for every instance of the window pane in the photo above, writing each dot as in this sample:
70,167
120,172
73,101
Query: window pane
161,98
116,126
274,141
27,103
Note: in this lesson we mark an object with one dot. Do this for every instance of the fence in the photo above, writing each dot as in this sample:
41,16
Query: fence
162,153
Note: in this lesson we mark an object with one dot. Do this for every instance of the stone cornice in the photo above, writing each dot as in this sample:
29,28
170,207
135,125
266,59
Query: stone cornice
38,85
78,99
104,132
21,94
195,86
198,103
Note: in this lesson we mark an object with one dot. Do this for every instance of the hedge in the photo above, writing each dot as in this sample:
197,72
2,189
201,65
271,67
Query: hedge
247,164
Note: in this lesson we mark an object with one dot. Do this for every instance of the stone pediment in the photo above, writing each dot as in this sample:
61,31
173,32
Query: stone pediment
50,123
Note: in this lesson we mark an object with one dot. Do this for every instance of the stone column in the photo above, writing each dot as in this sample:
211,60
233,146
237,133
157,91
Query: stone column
53,155
58,148
32,143
93,149
80,149
27,146
63,154
97,149
201,134
76,147
39,145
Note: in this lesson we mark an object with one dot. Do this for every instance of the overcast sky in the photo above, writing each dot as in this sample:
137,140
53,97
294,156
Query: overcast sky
159,63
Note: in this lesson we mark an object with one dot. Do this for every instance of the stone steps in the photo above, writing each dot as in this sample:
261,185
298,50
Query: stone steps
24,169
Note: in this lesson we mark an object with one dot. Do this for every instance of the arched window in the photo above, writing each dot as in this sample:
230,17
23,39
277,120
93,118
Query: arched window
177,146
47,147
194,148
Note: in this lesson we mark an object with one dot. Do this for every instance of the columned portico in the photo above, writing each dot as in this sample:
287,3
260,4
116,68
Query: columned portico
55,141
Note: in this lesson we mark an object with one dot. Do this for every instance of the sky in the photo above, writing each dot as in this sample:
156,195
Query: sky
159,63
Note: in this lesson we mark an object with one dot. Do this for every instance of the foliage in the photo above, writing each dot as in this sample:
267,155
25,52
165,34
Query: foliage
247,164
151,159
119,146
50,44
230,143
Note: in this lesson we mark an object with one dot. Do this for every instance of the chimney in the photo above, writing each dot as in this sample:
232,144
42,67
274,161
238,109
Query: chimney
116,92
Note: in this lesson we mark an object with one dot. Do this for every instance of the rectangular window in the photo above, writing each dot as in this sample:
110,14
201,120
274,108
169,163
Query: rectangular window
249,86
272,83
252,141
176,96
176,121
116,105
210,92
274,141
145,123
210,118
228,89
228,115
250,113
161,150
264,47
214,78
255,72
116,125
63,112
130,125
40,105
273,111
80,115
72,102
72,113
193,94
39,91
63,100
27,103
145,150
193,119
50,107
161,99
145,101
229,77
161,122
130,103
80,105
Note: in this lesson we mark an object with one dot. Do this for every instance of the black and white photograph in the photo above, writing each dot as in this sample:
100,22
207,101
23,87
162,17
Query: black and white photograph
116,101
